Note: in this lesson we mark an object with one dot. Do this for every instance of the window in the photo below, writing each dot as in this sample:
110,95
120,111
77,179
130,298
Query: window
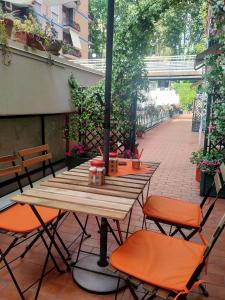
55,13
37,10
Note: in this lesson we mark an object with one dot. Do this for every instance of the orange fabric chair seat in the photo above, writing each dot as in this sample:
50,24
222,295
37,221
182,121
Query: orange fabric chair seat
21,219
173,211
157,259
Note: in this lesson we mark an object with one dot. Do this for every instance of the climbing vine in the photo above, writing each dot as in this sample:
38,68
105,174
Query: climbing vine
215,80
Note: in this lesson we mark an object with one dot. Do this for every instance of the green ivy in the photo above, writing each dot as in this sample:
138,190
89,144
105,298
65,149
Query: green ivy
215,79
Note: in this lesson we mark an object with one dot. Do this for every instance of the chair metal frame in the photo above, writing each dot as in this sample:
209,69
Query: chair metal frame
154,291
45,156
179,227
19,238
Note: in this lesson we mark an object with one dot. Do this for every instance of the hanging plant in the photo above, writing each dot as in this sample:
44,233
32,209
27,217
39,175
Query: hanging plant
6,26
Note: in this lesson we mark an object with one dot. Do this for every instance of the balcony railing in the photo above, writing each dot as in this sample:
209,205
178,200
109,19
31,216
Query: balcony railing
68,49
72,24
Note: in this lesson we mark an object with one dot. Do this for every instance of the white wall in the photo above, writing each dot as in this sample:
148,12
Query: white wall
163,97
31,86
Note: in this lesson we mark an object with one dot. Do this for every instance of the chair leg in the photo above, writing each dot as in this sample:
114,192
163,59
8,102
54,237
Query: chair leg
160,227
113,234
128,225
51,255
203,289
117,289
31,244
49,248
131,289
2,257
81,241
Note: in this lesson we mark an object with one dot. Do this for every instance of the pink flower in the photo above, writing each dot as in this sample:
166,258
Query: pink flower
69,153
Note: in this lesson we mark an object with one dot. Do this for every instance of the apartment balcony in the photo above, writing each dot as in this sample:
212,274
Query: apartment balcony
71,24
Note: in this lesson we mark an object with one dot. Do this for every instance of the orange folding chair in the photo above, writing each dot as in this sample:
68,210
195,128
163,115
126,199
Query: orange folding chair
164,266
181,214
20,222
36,155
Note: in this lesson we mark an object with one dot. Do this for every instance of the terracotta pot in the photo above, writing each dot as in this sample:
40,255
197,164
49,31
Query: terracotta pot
139,134
30,39
8,26
198,174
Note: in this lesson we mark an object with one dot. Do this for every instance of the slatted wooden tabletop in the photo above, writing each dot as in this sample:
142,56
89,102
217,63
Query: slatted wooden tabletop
70,191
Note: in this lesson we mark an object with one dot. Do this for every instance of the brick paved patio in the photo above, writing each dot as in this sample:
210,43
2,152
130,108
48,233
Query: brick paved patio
171,144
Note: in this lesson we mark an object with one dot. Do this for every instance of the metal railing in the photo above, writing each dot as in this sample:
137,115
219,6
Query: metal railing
152,63
151,120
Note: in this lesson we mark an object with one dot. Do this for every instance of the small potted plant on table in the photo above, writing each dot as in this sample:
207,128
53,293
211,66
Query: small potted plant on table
76,156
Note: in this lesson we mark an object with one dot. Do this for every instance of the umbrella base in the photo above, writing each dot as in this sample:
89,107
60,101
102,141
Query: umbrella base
92,278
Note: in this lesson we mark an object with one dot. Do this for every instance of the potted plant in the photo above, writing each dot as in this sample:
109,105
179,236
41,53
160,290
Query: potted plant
208,166
196,158
140,130
7,19
77,156
29,32
52,45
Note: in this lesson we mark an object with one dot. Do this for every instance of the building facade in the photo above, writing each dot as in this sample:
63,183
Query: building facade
71,22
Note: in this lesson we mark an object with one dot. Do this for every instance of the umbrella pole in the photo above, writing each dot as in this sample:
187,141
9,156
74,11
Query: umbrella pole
108,81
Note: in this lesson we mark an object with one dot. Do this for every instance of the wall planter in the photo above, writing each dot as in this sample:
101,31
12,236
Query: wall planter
72,162
8,26
30,39
205,183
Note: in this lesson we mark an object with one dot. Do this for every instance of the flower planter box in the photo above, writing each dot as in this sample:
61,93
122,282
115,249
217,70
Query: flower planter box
30,39
72,162
205,183
8,26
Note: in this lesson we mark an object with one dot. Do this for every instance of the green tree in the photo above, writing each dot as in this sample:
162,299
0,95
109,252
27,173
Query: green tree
186,92
181,29
135,24
97,27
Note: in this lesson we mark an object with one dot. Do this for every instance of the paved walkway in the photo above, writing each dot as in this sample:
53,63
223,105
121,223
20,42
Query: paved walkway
171,144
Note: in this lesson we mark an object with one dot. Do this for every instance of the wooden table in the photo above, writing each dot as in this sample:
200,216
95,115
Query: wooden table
70,191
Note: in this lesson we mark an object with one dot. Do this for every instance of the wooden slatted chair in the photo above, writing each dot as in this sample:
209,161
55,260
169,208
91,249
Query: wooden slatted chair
31,157
19,221
181,214
165,266
42,156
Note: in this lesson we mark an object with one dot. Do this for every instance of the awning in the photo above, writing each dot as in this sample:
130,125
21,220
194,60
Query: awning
55,2
75,39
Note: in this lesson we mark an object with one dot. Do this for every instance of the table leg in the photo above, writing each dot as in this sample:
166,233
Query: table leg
90,272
